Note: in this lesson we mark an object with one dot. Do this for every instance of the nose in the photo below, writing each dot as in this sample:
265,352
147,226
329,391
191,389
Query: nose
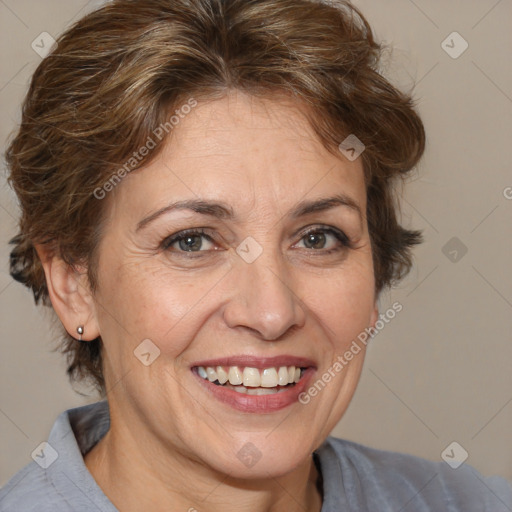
264,299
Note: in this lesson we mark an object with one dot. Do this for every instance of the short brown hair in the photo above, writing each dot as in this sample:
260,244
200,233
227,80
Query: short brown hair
118,73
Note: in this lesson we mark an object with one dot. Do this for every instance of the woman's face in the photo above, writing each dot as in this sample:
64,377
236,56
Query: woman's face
270,276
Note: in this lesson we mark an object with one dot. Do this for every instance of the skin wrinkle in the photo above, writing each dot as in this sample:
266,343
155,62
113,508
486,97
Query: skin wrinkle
71,87
265,135
309,305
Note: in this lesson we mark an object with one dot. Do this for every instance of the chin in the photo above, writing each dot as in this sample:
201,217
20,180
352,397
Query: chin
260,455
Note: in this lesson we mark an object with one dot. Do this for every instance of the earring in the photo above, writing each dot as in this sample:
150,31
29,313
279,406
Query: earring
80,331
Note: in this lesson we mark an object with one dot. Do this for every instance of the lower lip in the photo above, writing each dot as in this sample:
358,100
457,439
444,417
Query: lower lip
258,403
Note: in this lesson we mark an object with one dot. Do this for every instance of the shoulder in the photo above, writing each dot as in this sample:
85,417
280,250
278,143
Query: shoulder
412,483
57,480
29,490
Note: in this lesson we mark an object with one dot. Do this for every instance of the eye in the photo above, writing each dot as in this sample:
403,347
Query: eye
189,240
318,238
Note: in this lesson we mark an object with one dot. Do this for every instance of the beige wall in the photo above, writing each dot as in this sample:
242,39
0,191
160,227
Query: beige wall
440,371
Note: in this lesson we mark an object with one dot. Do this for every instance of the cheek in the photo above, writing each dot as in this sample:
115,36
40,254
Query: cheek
343,303
144,301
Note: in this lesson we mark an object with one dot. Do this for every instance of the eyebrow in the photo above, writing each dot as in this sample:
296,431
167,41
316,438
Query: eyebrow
222,211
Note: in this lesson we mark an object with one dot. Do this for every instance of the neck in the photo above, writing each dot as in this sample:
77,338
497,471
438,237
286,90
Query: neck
135,476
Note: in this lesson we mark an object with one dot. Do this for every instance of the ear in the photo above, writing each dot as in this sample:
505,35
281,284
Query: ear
70,294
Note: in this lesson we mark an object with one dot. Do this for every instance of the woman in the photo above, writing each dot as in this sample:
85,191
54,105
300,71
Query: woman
206,194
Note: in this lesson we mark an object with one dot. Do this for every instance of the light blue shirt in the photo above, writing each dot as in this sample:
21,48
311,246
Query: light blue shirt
355,478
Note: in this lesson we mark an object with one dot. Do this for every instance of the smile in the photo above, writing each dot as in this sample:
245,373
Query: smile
257,385
252,381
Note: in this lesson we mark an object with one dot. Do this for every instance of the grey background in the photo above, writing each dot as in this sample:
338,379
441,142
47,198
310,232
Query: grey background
440,371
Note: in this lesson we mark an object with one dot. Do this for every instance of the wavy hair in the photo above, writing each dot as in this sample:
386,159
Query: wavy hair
117,73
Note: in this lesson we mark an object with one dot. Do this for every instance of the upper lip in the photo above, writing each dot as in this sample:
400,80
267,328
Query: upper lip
257,362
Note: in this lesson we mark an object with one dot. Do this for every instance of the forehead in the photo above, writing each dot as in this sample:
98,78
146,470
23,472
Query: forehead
246,151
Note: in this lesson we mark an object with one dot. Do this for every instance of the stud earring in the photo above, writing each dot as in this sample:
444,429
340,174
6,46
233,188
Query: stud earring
80,331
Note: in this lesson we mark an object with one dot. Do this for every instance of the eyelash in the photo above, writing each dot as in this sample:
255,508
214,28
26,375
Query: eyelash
345,242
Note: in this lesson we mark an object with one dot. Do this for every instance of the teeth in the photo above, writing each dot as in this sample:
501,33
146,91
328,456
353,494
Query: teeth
234,376
267,378
211,374
282,375
222,376
261,391
252,377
